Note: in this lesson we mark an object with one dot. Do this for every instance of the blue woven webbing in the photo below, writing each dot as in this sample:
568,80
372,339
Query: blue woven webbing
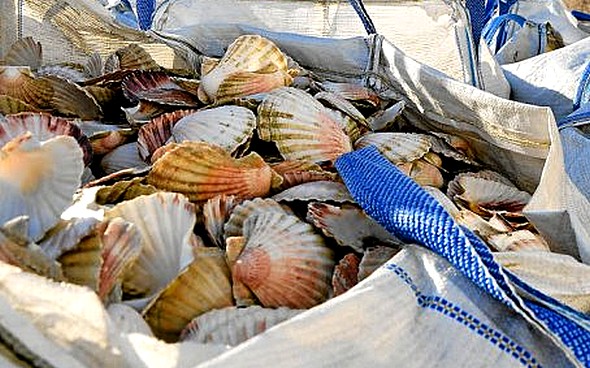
477,16
145,13
359,7
409,212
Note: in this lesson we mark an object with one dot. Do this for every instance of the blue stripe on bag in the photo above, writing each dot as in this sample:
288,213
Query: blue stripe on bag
585,17
583,92
361,11
409,212
145,13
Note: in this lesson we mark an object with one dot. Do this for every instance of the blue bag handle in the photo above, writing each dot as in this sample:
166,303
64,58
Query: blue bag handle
581,15
498,23
406,210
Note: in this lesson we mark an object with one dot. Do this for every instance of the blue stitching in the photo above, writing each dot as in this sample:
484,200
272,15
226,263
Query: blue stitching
455,312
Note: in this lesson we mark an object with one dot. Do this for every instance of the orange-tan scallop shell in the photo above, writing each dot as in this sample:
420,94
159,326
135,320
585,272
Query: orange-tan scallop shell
18,82
38,180
301,127
202,171
202,286
232,326
216,212
157,87
165,222
424,172
25,52
235,223
284,262
345,274
295,172
352,92
397,147
251,64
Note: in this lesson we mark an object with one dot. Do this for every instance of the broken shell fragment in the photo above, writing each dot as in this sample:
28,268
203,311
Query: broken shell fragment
373,258
216,212
25,52
345,274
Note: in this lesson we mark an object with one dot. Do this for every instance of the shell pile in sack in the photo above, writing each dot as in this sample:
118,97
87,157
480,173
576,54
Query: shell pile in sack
157,132
228,127
165,222
38,180
201,171
200,287
301,127
43,127
232,326
284,262
251,64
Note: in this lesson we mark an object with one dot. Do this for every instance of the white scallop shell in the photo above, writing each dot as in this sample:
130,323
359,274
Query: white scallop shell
320,191
128,320
397,147
235,224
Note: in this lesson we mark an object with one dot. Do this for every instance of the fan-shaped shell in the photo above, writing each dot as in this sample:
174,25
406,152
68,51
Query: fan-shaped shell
341,104
94,67
202,171
345,274
484,229
226,126
518,241
157,87
424,172
121,158
251,64
72,100
157,132
295,172
216,212
373,258
38,180
43,127
134,57
284,262
128,320
11,105
66,235
145,111
320,191
384,118
165,222
397,147
123,190
353,92
235,224
204,285
232,326
25,52
301,127
349,226
18,82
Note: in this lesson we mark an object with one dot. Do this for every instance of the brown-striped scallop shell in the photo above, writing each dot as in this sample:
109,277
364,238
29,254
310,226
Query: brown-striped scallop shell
69,99
11,105
43,127
18,82
320,191
295,172
158,132
25,52
216,212
301,127
232,326
133,57
38,180
123,190
235,224
157,87
202,171
202,286
345,274
251,64
284,262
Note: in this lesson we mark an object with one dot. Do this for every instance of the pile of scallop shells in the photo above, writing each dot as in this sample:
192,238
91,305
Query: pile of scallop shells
207,201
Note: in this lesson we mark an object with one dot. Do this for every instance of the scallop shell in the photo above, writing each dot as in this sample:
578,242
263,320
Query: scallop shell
423,172
157,87
284,262
121,158
25,52
439,145
385,118
457,143
349,226
128,320
353,92
244,297
202,286
482,195
295,172
397,147
72,100
18,82
480,226
38,180
123,190
94,66
202,171
341,104
108,99
251,64
228,127
99,260
232,326
345,275
11,105
320,191
144,112
373,258
207,64
301,127
235,224
518,241
43,127
135,57
157,132
66,235
106,141
216,212
165,222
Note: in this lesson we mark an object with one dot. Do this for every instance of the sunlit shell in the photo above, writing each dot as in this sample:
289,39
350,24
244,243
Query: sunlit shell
72,100
25,52
284,262
204,285
232,326
353,92
66,235
99,260
216,212
145,111
558,275
122,157
123,190
135,57
128,320
38,180
188,84
207,64
483,195
243,296
373,258
345,274
11,105
480,226
165,222
235,224
397,147
228,127
349,226
18,251
518,241
157,87
106,141
301,127
202,171
68,72
320,191
296,172
251,64
341,104
18,82
157,132
385,118
423,172
43,127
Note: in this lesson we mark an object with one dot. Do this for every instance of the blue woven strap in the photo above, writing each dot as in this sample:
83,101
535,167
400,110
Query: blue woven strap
498,23
585,17
409,212
145,13
583,93
477,17
361,11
